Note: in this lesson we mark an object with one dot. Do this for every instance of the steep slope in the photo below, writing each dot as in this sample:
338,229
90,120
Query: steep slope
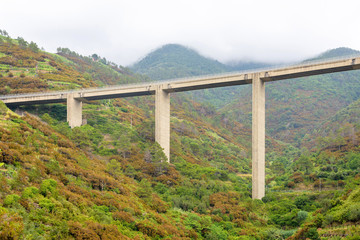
297,107
340,130
28,69
109,180
52,189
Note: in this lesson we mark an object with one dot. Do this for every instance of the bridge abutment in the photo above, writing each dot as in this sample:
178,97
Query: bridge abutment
162,119
74,111
258,137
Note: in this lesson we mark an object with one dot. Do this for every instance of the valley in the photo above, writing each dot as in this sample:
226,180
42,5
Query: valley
109,178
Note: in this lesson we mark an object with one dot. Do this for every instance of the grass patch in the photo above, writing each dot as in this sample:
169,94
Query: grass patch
46,67
61,58
214,135
58,83
4,66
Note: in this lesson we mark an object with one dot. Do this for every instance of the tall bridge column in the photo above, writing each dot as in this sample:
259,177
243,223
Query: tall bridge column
74,111
162,119
258,137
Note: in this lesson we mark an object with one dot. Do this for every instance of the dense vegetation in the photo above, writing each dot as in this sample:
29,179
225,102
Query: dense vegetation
294,108
108,179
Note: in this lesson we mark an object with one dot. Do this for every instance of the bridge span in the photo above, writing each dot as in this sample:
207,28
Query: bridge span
162,91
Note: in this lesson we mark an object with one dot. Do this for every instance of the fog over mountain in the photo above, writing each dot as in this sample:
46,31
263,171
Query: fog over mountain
124,31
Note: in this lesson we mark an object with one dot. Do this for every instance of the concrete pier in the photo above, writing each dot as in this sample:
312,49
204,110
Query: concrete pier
162,119
74,111
258,137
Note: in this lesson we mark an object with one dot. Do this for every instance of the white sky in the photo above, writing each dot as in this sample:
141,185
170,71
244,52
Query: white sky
123,31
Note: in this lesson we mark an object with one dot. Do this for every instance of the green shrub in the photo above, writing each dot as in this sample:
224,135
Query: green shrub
48,187
11,225
353,213
301,201
11,199
3,108
353,161
312,234
301,216
216,233
29,192
124,109
47,204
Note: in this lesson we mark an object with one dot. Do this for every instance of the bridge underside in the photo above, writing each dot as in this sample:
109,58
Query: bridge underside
35,102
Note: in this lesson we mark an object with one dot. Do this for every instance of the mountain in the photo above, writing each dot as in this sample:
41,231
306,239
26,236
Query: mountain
294,107
176,61
108,179
335,53
247,65
298,107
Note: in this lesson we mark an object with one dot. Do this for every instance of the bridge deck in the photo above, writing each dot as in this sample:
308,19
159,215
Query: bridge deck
201,82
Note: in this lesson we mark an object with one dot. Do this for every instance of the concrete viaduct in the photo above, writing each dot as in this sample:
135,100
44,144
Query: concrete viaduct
162,91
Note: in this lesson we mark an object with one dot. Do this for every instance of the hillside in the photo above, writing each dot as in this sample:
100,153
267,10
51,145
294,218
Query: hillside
176,61
335,53
298,107
340,130
108,179
118,139
294,107
25,68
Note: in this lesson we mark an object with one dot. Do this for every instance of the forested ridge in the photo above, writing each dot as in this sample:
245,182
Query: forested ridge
108,179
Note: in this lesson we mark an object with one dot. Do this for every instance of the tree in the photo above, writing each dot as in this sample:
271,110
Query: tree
124,145
278,167
144,191
147,156
22,42
301,216
130,171
304,163
33,47
216,233
155,155
114,168
95,56
353,161
339,141
4,33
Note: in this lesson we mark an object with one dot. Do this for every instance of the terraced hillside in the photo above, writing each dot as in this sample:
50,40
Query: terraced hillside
108,179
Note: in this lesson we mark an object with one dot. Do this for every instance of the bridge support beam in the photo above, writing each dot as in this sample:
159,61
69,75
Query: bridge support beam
74,111
258,137
162,119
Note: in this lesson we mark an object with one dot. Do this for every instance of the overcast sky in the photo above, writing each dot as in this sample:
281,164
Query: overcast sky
124,31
